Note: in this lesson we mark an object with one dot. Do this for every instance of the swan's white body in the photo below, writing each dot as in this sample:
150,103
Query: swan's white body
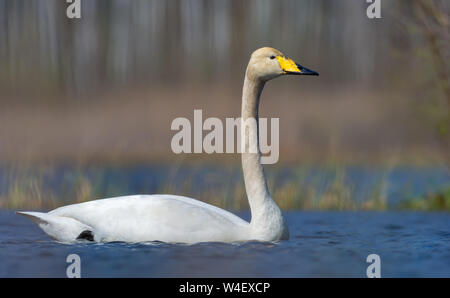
138,218
178,219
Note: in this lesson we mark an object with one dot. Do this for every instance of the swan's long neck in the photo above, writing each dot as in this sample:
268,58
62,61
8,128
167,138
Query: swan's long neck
266,215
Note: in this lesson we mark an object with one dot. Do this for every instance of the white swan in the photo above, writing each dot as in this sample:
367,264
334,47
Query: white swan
178,219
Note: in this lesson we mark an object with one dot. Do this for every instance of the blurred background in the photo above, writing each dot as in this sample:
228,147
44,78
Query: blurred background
86,104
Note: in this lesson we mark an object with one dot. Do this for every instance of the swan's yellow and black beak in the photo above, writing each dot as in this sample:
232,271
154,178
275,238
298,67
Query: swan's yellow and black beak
290,67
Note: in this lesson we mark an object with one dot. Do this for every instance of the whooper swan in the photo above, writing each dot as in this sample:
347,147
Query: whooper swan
177,219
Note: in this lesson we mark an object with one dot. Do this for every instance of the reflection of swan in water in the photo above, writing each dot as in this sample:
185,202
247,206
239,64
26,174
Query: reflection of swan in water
171,218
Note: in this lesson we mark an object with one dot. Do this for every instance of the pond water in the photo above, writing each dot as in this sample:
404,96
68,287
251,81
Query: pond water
322,244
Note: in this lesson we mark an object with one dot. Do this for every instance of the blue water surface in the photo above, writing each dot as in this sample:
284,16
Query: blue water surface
322,244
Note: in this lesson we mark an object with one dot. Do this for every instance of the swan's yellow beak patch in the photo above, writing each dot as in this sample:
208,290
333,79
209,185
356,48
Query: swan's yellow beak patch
288,65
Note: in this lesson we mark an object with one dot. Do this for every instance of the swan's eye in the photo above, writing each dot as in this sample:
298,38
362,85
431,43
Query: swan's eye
272,57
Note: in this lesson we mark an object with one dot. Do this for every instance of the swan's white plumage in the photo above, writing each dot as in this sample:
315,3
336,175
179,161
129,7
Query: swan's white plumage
64,229
170,218
137,218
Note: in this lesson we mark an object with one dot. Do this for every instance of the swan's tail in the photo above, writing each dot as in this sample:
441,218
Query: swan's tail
36,217
61,228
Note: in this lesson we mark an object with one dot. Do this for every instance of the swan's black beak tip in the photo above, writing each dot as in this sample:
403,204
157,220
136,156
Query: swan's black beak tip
306,71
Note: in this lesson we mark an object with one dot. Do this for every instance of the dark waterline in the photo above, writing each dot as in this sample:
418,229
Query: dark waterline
322,244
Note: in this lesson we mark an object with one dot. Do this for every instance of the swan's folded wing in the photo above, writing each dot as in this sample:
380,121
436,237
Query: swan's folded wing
164,218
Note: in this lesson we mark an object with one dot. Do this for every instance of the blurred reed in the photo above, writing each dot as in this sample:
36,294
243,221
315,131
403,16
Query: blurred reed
328,189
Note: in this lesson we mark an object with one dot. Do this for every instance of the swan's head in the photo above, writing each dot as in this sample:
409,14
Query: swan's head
268,63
